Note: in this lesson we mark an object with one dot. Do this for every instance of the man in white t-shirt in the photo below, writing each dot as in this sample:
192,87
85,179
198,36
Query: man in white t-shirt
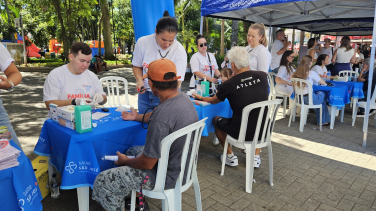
72,83
279,46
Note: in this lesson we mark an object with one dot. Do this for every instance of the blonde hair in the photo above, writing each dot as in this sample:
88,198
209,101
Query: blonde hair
261,29
304,67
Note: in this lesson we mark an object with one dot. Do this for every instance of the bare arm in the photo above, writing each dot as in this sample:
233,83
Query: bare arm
353,58
334,58
59,103
12,74
319,50
281,81
134,116
212,100
139,162
137,71
284,47
202,75
360,77
322,82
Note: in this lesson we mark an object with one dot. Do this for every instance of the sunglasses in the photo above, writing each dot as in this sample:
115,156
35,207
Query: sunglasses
202,44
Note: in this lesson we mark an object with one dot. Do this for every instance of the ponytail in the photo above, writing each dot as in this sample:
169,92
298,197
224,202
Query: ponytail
261,28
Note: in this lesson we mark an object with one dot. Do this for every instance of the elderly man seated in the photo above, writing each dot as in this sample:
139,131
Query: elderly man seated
174,112
244,88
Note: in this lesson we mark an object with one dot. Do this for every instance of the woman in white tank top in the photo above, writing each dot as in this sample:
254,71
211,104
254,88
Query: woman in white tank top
311,49
343,56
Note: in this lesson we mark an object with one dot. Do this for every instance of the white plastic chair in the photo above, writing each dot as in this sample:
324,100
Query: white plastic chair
348,73
298,85
113,90
273,94
363,104
271,108
171,198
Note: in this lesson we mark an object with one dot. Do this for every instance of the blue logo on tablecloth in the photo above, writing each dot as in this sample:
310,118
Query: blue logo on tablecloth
70,167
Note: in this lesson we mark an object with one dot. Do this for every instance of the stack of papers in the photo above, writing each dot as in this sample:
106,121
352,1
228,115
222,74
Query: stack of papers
8,155
200,103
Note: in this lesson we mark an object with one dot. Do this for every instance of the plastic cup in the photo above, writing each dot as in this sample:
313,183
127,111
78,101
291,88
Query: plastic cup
355,79
356,69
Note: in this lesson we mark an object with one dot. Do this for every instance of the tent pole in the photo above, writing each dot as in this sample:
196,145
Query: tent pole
370,77
201,24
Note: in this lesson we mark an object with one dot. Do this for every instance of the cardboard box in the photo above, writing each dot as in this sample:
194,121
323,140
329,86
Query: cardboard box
67,123
66,112
53,112
40,165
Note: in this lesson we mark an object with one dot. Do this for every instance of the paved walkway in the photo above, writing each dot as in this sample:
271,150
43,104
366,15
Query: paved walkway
313,170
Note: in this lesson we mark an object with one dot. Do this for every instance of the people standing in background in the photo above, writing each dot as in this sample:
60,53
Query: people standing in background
225,63
149,48
343,56
311,49
320,66
365,52
259,56
359,58
279,46
11,79
328,50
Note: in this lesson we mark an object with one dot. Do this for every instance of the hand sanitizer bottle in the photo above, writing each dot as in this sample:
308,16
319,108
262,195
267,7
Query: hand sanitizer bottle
205,87
82,115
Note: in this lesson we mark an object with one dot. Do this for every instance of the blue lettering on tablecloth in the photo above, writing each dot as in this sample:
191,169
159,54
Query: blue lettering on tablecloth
336,97
106,119
30,195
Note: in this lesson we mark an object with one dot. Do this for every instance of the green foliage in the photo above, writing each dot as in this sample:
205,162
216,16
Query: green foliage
219,59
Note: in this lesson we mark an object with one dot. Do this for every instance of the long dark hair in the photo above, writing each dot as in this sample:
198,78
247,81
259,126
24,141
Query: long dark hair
311,42
285,62
320,59
199,36
167,23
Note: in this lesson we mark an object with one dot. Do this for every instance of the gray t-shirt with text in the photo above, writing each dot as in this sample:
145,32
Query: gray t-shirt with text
168,117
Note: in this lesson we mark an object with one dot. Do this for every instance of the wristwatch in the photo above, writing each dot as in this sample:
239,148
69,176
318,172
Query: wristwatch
10,88
74,101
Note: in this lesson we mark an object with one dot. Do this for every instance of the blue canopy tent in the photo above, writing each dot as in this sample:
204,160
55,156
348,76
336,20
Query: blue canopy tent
320,16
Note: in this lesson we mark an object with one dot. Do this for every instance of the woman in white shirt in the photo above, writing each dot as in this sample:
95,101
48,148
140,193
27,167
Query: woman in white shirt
320,66
260,57
311,48
304,72
359,58
203,64
149,48
343,56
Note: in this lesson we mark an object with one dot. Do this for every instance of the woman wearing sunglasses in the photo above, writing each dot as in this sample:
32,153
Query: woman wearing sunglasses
260,57
149,48
203,64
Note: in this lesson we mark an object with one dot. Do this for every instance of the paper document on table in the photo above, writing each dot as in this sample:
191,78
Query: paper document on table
98,115
8,155
200,103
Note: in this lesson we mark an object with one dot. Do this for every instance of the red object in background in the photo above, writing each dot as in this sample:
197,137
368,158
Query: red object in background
32,50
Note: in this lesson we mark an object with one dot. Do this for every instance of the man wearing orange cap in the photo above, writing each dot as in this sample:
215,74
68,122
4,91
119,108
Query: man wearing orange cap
174,112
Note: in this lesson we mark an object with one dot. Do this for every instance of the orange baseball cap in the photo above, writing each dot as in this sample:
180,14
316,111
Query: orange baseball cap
158,68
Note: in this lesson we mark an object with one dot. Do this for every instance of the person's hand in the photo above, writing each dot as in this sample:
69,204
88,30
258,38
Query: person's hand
226,59
196,96
140,87
98,98
288,43
129,116
122,159
86,100
213,80
289,83
4,84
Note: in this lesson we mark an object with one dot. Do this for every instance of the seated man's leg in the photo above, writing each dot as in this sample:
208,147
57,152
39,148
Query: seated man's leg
100,67
221,135
105,66
221,126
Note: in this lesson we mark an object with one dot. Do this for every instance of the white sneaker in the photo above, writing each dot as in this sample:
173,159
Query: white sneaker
257,161
215,140
230,161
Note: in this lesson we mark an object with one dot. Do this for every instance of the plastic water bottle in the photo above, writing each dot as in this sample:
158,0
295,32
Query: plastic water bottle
325,76
328,76
54,187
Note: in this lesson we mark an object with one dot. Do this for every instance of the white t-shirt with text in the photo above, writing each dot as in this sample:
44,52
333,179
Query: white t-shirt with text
200,63
259,58
276,59
61,84
146,51
319,70
283,74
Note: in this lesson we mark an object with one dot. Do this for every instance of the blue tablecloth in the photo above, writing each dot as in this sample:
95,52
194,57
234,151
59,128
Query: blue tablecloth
222,109
19,187
355,88
79,157
337,95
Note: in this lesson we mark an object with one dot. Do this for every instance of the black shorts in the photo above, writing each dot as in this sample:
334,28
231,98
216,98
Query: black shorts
225,125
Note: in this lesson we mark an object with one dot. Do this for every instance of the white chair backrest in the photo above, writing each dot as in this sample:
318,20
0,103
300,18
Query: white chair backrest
271,108
113,90
194,130
299,85
271,76
348,73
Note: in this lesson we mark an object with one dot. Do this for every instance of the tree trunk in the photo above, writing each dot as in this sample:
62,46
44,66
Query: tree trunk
9,21
56,4
207,26
100,36
106,30
222,37
246,26
293,40
234,32
302,33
